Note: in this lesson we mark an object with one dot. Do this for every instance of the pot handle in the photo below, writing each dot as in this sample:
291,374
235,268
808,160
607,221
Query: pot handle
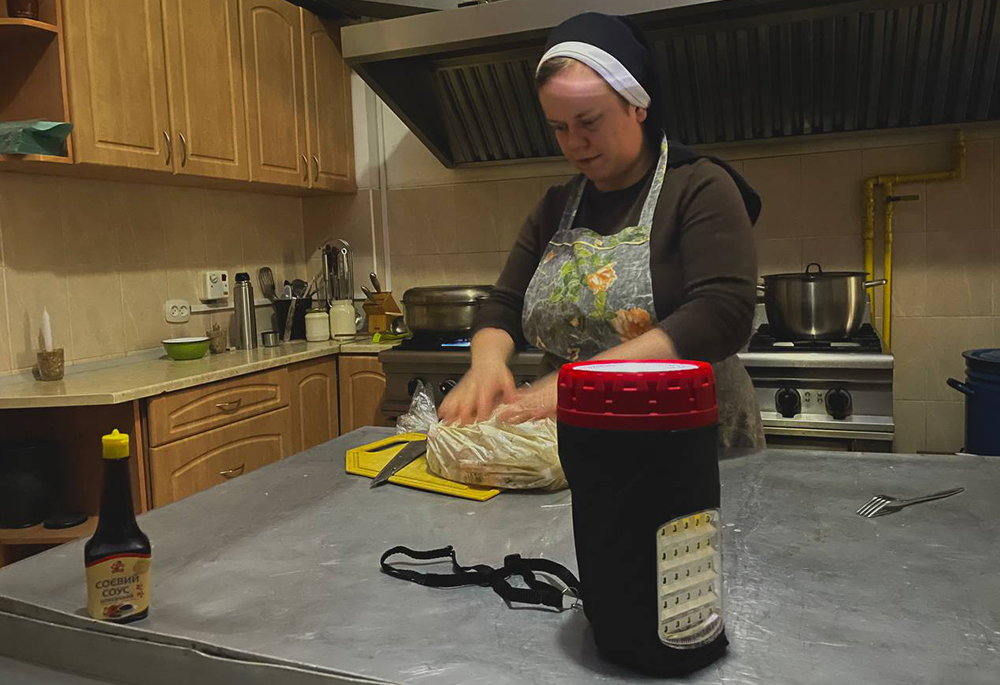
961,387
810,265
872,284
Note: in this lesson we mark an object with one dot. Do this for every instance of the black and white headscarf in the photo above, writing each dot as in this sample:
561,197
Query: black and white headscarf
609,46
617,50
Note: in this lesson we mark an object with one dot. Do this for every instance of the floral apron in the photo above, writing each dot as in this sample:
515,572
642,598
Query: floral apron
592,292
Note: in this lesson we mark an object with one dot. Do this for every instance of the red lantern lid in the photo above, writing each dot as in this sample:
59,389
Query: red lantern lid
638,395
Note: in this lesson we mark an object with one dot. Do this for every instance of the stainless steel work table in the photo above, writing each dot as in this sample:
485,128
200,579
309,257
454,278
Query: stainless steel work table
273,578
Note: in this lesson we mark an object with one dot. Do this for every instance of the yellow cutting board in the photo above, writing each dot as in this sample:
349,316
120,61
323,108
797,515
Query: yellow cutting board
369,459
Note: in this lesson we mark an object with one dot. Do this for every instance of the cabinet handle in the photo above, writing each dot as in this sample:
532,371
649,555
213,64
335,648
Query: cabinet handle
316,172
184,148
169,148
229,407
305,168
233,473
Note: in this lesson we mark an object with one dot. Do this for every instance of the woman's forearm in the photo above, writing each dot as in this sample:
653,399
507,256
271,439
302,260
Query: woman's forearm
491,346
653,344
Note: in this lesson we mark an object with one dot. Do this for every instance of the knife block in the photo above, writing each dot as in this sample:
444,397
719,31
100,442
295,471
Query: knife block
381,312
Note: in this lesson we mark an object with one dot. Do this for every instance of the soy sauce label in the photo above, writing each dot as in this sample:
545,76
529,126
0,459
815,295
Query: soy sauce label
118,586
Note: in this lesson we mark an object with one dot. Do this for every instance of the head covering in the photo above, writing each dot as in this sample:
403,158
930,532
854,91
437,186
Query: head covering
617,50
609,46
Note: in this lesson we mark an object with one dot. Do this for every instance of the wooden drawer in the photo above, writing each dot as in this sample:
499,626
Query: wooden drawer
184,413
194,464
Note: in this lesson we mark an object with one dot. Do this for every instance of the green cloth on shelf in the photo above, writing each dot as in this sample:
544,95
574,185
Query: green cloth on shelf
34,137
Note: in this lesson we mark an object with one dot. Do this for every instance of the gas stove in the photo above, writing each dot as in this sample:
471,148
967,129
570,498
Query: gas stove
829,394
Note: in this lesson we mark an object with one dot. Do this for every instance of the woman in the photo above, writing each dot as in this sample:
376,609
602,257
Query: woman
647,254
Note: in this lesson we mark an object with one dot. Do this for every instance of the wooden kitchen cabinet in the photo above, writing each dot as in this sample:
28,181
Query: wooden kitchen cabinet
329,120
117,80
362,385
314,403
271,34
189,412
205,68
192,464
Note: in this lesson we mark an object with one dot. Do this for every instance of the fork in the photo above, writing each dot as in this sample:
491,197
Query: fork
880,505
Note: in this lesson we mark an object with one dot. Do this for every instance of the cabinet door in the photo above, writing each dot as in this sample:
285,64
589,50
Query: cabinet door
197,463
362,385
314,402
330,121
272,68
205,67
118,83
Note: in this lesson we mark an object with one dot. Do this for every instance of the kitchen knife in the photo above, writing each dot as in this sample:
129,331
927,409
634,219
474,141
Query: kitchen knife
405,456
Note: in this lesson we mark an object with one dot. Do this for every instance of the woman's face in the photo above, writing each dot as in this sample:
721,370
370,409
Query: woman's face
600,134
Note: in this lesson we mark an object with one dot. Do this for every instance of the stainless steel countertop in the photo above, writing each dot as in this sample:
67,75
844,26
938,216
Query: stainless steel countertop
273,577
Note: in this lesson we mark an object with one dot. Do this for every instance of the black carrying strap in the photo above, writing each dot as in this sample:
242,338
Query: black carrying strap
537,592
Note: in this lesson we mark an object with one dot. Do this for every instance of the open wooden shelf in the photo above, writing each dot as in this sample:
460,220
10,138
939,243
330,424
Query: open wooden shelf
10,27
39,535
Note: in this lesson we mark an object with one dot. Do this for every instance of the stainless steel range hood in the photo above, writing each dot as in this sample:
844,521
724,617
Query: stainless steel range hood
732,70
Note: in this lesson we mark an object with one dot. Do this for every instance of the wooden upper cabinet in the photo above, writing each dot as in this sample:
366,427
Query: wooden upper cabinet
205,68
330,123
117,83
362,385
273,73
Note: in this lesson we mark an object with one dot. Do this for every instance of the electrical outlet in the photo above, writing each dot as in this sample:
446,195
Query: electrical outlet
177,311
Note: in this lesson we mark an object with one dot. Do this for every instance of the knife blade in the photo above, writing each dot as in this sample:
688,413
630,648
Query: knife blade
405,456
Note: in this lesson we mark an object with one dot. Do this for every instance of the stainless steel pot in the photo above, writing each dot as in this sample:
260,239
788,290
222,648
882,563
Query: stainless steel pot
443,309
816,305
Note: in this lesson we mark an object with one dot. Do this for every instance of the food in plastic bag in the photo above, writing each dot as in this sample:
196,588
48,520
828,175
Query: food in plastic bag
489,453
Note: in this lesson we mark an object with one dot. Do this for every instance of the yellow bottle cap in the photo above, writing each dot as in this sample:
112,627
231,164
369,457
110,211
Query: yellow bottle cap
115,446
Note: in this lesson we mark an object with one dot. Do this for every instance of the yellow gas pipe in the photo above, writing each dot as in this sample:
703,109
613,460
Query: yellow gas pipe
887,182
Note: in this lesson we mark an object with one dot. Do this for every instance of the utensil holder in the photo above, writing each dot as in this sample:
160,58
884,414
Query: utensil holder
219,339
51,365
302,306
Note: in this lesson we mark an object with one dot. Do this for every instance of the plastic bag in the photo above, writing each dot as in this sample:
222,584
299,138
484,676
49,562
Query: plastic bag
489,453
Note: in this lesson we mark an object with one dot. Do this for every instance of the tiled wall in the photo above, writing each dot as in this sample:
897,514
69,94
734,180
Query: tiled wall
104,256
946,267
456,226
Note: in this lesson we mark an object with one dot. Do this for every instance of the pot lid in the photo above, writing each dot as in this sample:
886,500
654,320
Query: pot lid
447,294
987,359
814,272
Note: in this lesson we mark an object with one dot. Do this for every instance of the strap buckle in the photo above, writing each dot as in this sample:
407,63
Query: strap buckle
577,602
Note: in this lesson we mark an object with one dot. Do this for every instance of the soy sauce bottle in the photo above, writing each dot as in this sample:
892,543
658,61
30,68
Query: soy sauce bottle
118,556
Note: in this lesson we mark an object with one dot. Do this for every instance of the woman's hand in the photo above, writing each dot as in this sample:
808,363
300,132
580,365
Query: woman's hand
530,404
479,392
487,383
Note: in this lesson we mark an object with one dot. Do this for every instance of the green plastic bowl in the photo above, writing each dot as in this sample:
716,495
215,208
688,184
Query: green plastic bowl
186,348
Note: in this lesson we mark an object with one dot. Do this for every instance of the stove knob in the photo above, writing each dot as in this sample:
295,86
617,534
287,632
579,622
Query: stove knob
447,386
839,403
411,387
788,402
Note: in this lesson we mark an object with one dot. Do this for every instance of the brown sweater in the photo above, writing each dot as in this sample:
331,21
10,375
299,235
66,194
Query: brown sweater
703,258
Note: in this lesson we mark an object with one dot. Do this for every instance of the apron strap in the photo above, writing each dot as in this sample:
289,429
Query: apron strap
537,592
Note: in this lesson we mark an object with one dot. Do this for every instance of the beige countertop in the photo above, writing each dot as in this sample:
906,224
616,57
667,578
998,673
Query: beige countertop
152,373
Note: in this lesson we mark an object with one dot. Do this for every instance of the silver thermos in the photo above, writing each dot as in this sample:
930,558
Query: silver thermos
246,321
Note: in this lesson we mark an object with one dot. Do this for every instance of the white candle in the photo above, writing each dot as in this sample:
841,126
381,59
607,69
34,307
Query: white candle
46,330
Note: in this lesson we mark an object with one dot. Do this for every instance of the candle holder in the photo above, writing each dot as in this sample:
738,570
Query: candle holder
51,365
